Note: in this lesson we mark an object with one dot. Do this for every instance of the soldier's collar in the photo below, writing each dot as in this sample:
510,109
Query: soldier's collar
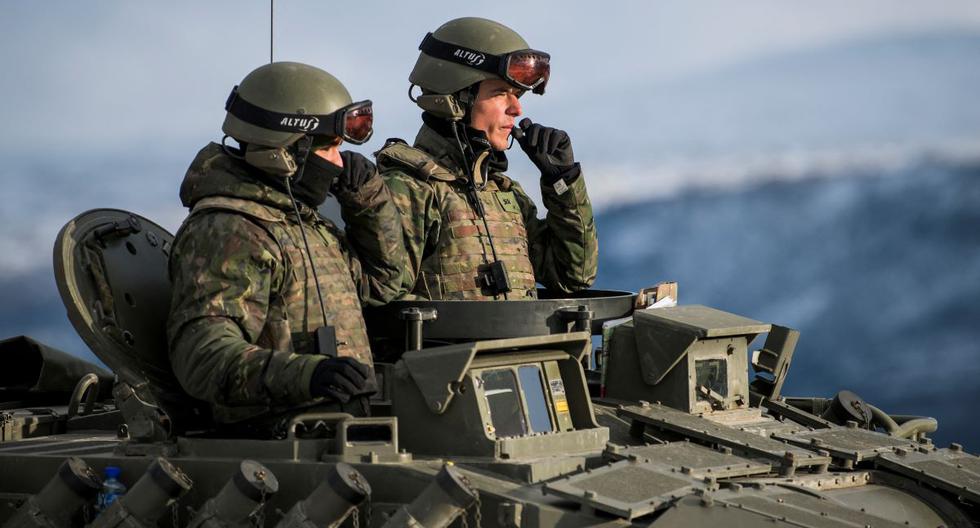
436,137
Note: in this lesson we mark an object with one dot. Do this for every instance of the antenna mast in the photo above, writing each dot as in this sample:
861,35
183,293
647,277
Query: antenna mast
272,14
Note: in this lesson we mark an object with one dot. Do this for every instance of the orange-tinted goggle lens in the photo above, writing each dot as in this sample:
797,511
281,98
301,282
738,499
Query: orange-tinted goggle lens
359,124
529,69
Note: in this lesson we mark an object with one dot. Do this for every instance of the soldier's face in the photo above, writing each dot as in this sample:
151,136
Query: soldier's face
494,111
332,153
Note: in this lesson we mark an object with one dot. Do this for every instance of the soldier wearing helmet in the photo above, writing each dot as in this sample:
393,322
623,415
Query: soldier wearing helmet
267,293
471,232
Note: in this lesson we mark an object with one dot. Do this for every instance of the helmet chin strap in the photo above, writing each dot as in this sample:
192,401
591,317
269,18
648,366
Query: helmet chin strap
301,152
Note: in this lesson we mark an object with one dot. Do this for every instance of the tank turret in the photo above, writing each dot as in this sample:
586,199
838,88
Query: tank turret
568,410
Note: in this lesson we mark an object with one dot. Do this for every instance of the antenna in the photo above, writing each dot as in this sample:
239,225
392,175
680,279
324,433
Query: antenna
272,15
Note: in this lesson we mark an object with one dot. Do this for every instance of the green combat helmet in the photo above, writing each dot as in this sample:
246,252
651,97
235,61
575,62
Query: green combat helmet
465,51
278,104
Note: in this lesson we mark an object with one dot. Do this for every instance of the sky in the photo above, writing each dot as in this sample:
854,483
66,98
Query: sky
108,76
104,103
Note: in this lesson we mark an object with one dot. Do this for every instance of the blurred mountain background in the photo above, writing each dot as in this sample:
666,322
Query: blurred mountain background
818,169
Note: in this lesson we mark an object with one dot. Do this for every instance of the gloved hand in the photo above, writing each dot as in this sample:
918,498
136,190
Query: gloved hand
548,148
341,378
357,171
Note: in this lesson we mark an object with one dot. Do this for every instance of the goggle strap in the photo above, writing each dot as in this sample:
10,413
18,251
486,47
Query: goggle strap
324,125
479,60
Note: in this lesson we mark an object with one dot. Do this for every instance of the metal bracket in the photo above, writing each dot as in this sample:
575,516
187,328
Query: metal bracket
414,317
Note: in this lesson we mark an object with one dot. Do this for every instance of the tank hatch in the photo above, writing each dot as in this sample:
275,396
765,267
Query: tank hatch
550,313
786,456
629,488
848,444
111,270
693,459
951,469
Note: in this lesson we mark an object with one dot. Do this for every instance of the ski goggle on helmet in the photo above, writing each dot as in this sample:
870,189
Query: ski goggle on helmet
526,69
353,123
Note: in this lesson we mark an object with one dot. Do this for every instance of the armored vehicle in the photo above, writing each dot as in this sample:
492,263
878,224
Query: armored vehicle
598,409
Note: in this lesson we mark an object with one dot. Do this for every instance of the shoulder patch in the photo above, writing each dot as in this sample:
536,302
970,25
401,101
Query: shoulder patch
238,205
508,202
419,163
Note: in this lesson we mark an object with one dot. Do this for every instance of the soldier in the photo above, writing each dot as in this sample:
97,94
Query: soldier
256,270
472,232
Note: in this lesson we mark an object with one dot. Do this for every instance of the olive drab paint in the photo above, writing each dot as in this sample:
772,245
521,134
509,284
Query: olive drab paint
287,88
479,37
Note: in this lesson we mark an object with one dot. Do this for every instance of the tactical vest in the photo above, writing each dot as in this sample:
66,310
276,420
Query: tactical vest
294,308
455,268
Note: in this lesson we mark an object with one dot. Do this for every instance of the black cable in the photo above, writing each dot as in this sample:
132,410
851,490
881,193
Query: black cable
476,198
302,230
272,14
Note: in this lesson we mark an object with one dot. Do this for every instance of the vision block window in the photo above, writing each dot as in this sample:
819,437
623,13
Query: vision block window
504,402
537,404
712,374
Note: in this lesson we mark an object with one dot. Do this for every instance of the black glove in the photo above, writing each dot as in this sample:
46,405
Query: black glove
548,148
358,170
342,378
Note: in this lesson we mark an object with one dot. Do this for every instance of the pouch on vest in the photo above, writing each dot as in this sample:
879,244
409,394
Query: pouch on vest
494,278
325,341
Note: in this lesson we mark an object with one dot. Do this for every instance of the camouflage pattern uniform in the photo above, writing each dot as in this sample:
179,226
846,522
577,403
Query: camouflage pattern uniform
244,299
446,239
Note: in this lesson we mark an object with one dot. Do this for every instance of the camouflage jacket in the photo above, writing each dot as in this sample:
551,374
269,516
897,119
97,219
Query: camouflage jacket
446,239
244,298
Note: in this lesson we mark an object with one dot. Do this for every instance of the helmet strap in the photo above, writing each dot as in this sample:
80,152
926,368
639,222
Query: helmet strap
467,98
301,150
237,153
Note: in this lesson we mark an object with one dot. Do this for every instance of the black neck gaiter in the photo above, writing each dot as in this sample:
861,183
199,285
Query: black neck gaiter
314,185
